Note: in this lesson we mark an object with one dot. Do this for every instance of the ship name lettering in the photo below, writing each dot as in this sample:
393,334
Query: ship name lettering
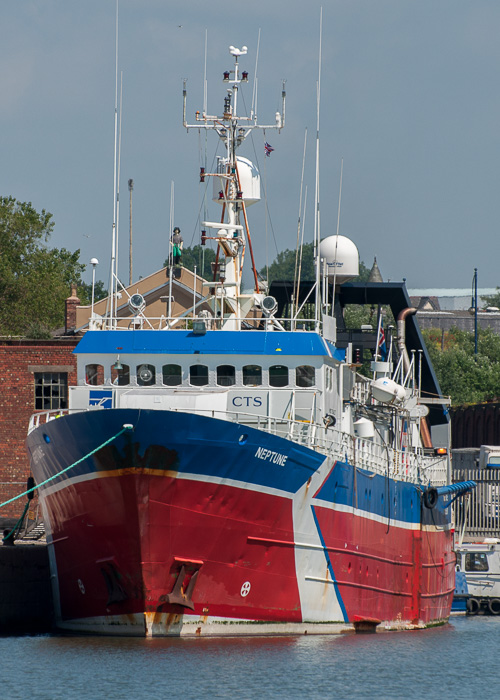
270,456
240,401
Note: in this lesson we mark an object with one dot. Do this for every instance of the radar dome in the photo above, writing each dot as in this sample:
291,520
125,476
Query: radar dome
249,181
342,258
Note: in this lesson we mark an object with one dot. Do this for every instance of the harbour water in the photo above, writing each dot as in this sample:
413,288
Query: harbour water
452,661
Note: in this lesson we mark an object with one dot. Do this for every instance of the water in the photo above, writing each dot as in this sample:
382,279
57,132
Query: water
455,661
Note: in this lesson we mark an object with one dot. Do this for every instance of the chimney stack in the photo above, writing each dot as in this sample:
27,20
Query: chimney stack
72,303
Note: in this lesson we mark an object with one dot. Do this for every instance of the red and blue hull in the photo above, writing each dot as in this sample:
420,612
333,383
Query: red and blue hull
192,525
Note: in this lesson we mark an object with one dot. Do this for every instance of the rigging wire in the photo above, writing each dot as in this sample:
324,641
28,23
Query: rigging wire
299,224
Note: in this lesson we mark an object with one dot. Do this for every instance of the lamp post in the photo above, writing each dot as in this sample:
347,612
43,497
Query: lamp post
475,312
130,188
94,262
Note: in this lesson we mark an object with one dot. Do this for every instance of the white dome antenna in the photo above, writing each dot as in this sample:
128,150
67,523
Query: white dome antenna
237,52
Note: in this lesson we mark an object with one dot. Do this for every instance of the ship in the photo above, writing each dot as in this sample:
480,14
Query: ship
230,470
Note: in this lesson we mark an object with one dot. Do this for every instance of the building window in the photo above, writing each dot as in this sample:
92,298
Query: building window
172,375
226,375
278,375
146,375
198,375
51,391
94,375
252,375
304,376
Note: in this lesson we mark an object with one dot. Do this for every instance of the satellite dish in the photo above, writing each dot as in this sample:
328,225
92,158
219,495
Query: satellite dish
269,305
145,374
136,303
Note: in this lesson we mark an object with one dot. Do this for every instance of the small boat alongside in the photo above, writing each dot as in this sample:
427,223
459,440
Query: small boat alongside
479,564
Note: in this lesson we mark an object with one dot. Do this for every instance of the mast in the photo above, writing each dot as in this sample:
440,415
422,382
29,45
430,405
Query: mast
233,176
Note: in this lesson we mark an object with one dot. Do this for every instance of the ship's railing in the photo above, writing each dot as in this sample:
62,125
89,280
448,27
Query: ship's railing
42,417
411,465
188,322
478,514
404,465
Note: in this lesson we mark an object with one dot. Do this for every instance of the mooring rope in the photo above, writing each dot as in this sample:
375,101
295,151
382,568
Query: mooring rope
17,525
124,429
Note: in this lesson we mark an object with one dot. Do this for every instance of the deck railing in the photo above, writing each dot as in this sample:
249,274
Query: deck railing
478,514
404,465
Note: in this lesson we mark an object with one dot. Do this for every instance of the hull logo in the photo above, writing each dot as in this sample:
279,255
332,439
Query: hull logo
81,586
245,589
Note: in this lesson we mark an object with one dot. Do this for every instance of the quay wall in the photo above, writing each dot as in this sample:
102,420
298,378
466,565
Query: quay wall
25,593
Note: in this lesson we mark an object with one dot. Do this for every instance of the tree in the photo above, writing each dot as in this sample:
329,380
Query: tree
200,256
283,267
492,299
34,279
466,377
85,292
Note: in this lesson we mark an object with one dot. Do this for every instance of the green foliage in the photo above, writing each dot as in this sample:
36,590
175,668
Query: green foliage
465,377
283,267
34,279
492,299
201,256
85,292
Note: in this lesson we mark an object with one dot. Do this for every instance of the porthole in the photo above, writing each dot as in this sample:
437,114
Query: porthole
226,375
146,375
172,375
304,376
198,375
278,375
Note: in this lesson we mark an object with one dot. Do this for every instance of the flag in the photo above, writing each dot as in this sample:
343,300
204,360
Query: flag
268,149
381,346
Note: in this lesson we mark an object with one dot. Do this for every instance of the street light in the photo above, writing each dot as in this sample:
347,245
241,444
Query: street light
130,188
94,262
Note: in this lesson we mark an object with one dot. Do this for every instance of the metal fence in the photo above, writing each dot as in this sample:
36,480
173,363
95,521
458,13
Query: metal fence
478,514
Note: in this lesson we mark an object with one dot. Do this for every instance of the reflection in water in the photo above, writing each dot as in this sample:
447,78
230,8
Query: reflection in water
389,665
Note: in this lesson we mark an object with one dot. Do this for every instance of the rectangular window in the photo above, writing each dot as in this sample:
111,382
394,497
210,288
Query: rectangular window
476,561
51,391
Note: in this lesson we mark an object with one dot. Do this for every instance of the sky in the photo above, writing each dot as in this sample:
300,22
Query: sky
410,103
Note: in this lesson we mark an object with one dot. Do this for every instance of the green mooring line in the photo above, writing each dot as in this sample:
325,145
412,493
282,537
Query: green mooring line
125,429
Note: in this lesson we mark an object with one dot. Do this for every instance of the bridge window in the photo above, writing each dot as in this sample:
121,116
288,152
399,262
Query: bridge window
146,375
252,375
278,375
51,390
226,375
94,375
198,375
476,561
120,377
172,375
304,376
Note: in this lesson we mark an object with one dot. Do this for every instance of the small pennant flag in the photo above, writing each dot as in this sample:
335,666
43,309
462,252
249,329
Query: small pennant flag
268,149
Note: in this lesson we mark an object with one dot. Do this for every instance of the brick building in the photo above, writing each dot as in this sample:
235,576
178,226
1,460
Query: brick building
34,375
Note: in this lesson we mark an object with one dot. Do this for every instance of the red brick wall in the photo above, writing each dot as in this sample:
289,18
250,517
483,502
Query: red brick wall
17,404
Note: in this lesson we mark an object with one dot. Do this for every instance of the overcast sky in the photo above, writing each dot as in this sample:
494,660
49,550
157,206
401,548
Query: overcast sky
410,100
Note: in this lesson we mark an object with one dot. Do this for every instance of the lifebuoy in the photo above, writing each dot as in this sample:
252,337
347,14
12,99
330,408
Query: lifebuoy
473,606
431,497
494,606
